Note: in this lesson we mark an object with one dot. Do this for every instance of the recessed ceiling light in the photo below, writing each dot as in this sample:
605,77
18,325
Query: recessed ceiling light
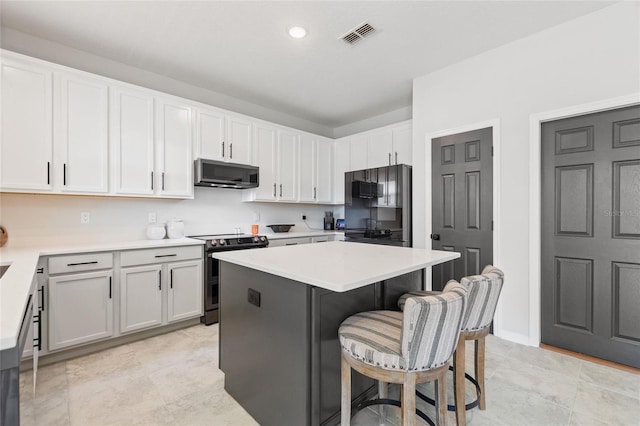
297,32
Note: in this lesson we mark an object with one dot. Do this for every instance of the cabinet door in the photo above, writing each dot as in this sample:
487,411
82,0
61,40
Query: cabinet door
324,175
185,290
379,147
80,309
239,138
140,297
27,132
341,160
81,134
403,145
358,152
266,158
209,134
132,141
307,166
287,167
174,171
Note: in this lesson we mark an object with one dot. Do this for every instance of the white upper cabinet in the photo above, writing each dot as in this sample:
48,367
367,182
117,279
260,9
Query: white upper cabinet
403,144
27,126
315,167
209,134
81,134
379,149
341,162
223,137
240,140
174,167
287,165
358,152
132,141
265,145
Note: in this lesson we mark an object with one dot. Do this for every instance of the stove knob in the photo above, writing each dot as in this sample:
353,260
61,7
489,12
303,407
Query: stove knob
214,243
263,239
222,242
256,239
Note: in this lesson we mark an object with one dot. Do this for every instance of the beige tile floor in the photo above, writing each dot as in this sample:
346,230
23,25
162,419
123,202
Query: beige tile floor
173,379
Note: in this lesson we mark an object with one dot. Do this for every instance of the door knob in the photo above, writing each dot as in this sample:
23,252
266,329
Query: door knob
435,236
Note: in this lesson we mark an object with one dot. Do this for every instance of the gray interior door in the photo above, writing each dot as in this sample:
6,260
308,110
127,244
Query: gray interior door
590,234
462,194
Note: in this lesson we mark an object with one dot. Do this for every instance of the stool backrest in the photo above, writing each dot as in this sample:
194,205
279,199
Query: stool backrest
431,327
484,291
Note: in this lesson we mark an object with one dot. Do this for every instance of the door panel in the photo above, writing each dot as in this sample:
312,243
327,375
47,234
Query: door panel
590,227
462,185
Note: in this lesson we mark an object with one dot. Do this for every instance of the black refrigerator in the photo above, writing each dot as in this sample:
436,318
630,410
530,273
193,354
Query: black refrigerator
377,205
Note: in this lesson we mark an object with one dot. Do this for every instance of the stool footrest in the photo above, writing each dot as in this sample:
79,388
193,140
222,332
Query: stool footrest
469,406
387,401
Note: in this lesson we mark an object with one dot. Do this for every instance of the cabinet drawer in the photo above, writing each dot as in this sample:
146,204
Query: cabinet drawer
159,255
289,241
80,262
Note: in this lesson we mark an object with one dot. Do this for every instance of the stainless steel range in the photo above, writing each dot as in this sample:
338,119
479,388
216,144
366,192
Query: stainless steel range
214,244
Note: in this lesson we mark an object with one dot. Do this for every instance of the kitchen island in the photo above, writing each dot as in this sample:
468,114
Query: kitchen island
280,310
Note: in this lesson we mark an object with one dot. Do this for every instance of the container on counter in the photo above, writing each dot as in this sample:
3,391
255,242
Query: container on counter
175,228
156,231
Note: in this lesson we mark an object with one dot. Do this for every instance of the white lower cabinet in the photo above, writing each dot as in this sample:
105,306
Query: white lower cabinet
140,297
185,290
80,308
160,286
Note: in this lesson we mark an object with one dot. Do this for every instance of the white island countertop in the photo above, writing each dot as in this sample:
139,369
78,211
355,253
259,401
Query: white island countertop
338,265
16,283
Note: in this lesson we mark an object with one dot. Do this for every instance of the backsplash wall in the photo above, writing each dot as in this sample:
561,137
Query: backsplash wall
37,217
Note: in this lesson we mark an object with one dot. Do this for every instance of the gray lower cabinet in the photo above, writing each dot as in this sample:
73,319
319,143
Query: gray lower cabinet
140,297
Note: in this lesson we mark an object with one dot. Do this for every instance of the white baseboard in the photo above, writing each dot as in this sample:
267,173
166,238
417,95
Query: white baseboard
522,339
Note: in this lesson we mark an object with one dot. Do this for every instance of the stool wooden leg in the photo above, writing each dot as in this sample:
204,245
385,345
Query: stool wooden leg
458,382
345,404
383,389
441,400
409,400
479,367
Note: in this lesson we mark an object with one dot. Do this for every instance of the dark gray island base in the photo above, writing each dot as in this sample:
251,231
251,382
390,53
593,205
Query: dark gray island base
279,345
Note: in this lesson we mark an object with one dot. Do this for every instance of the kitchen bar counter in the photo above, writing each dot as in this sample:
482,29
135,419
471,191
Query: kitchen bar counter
338,265
16,283
300,234
280,310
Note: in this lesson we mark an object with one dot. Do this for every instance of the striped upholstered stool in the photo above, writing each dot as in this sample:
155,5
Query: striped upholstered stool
484,290
408,347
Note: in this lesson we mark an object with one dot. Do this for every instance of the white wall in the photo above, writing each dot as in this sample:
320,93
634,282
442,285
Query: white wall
592,58
30,218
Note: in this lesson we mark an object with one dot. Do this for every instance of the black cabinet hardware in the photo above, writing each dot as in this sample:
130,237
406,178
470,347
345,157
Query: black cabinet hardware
222,149
435,237
48,172
281,190
40,270
152,181
166,255
109,287
64,174
95,262
171,278
160,280
163,181
41,291
274,189
230,150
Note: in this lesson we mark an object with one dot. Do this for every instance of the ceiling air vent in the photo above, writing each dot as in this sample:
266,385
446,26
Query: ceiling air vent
358,33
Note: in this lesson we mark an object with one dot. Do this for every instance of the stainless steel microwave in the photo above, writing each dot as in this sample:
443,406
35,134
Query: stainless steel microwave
225,175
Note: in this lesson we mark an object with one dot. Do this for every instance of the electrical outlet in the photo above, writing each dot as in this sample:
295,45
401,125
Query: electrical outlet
85,217
152,218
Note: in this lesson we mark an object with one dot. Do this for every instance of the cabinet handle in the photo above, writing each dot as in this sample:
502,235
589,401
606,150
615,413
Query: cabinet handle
274,189
109,287
39,331
41,291
291,244
166,255
281,190
314,192
160,279
152,181
48,172
95,262
163,181
231,150
222,149
396,158
64,174
171,278
389,158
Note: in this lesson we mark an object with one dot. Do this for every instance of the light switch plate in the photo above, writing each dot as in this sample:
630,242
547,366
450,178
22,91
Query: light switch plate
85,217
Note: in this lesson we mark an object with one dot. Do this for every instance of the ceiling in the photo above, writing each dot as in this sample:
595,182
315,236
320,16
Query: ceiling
242,48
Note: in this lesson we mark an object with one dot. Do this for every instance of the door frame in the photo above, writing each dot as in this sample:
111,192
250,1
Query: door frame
535,194
497,182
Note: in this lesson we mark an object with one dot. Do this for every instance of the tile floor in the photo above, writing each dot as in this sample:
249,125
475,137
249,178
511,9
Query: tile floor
173,379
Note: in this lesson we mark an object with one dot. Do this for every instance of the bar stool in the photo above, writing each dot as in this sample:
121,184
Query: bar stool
484,291
406,348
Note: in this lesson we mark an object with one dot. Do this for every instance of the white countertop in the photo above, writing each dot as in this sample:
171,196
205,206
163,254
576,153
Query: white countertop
15,285
338,265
